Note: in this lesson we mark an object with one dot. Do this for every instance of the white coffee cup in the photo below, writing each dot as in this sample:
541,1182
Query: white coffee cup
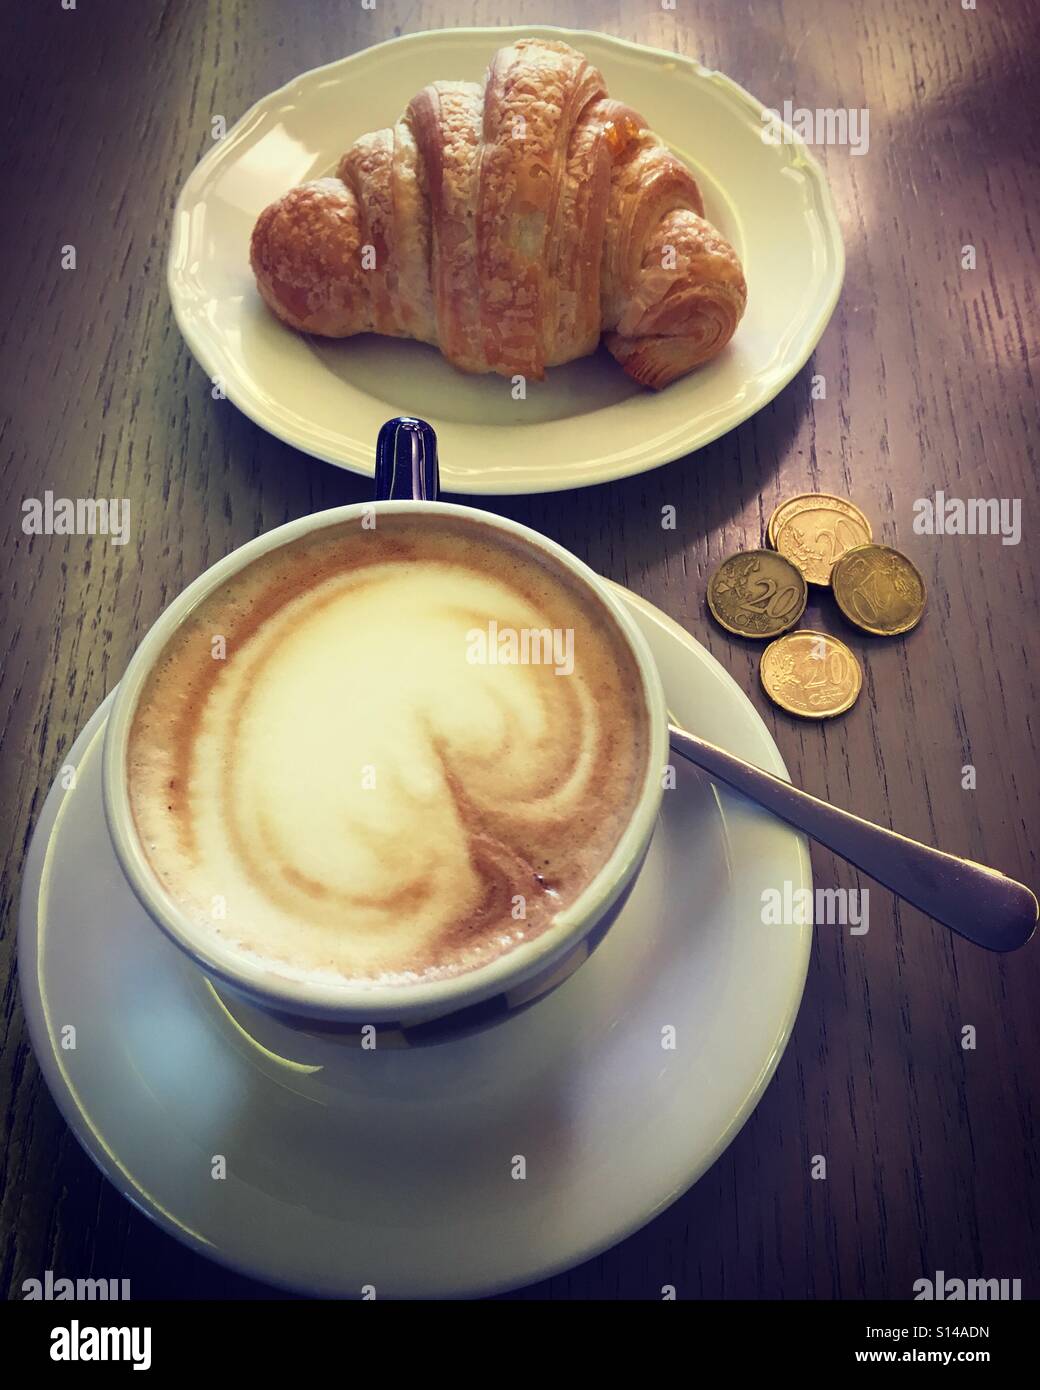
511,980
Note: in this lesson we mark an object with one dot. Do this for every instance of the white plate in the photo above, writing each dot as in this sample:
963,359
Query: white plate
588,423
393,1168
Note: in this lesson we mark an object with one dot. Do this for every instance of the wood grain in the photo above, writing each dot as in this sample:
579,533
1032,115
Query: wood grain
931,1150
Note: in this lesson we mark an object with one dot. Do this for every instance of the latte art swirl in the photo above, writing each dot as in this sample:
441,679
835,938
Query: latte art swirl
348,792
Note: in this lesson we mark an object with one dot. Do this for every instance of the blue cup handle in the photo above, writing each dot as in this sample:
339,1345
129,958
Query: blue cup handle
406,461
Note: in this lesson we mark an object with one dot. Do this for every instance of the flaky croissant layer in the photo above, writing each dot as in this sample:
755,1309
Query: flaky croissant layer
512,224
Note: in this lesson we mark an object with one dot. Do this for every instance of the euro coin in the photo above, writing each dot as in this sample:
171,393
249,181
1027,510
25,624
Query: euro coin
757,593
810,674
879,590
809,501
812,531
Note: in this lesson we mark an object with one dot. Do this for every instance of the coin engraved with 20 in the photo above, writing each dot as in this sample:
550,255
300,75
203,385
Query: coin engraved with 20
810,674
757,593
879,590
814,530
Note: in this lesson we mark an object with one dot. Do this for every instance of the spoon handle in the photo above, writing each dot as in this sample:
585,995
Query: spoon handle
978,903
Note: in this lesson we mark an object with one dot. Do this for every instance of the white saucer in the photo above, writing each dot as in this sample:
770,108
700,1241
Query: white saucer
348,1168
588,422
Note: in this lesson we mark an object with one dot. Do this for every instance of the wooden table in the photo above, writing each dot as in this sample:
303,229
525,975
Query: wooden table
931,1157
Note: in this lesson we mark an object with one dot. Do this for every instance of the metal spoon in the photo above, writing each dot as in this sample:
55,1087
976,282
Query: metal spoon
978,903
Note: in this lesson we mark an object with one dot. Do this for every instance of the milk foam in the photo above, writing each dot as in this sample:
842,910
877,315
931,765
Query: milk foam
347,793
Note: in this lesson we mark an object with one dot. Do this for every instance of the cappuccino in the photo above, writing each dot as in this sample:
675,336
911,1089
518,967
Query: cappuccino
341,768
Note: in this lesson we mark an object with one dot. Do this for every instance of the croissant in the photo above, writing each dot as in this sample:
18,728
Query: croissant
513,225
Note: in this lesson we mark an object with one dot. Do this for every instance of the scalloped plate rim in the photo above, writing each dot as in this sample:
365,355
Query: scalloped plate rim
356,454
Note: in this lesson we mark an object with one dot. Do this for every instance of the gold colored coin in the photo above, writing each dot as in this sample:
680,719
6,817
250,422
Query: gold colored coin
810,674
810,501
879,590
757,593
814,530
